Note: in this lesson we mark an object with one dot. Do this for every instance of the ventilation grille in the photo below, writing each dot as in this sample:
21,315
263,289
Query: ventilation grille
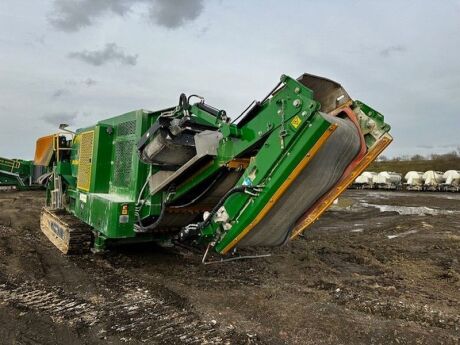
124,151
86,155
126,128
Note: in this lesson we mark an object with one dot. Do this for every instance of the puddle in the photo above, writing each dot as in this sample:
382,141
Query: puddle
375,194
402,234
357,230
408,210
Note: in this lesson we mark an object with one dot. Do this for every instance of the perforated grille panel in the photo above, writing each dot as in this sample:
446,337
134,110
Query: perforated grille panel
126,128
86,155
124,151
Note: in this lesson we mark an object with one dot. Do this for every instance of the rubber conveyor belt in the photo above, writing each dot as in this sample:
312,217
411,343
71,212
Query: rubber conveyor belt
318,177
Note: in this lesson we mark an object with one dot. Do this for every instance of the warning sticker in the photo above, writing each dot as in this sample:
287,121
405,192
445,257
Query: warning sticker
296,121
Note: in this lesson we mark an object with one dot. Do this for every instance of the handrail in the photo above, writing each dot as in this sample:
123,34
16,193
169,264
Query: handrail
10,163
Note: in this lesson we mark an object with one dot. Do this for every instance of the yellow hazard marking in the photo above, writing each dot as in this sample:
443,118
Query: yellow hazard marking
296,121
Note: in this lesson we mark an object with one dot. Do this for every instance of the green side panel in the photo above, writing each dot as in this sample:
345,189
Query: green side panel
107,215
110,215
374,114
126,169
117,175
375,117
293,99
65,170
8,180
82,210
271,167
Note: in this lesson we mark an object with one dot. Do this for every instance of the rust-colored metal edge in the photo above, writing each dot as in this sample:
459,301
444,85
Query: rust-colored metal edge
318,209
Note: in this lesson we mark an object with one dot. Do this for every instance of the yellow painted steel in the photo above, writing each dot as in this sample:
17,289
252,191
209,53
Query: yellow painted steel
85,161
279,193
238,163
313,216
47,220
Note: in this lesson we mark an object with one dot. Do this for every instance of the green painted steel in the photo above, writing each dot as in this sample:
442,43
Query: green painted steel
273,140
371,116
17,173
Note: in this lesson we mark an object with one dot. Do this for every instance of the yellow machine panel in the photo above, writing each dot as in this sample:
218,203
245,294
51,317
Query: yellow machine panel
85,160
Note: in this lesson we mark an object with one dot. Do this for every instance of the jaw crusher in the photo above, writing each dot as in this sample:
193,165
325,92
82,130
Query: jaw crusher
188,174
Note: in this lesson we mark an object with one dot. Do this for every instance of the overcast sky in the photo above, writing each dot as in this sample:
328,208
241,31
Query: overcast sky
83,61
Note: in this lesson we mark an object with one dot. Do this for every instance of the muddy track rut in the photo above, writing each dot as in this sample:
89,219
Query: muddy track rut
124,309
373,270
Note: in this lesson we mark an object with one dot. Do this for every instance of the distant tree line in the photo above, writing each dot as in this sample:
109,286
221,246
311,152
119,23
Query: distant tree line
453,155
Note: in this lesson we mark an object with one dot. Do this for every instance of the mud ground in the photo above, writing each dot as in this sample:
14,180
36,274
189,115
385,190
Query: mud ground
378,268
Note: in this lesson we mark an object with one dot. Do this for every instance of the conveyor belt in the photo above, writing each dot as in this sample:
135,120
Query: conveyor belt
320,175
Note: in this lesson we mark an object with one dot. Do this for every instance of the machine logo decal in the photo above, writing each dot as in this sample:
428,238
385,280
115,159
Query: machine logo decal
56,229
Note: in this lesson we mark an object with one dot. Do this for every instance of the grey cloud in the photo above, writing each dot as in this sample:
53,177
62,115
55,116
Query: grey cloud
89,82
71,15
450,145
110,53
202,32
425,146
71,82
62,117
59,92
175,13
41,39
86,82
37,39
387,52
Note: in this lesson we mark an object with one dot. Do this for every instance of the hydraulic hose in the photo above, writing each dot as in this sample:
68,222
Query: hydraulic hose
193,229
139,227
191,202
238,189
